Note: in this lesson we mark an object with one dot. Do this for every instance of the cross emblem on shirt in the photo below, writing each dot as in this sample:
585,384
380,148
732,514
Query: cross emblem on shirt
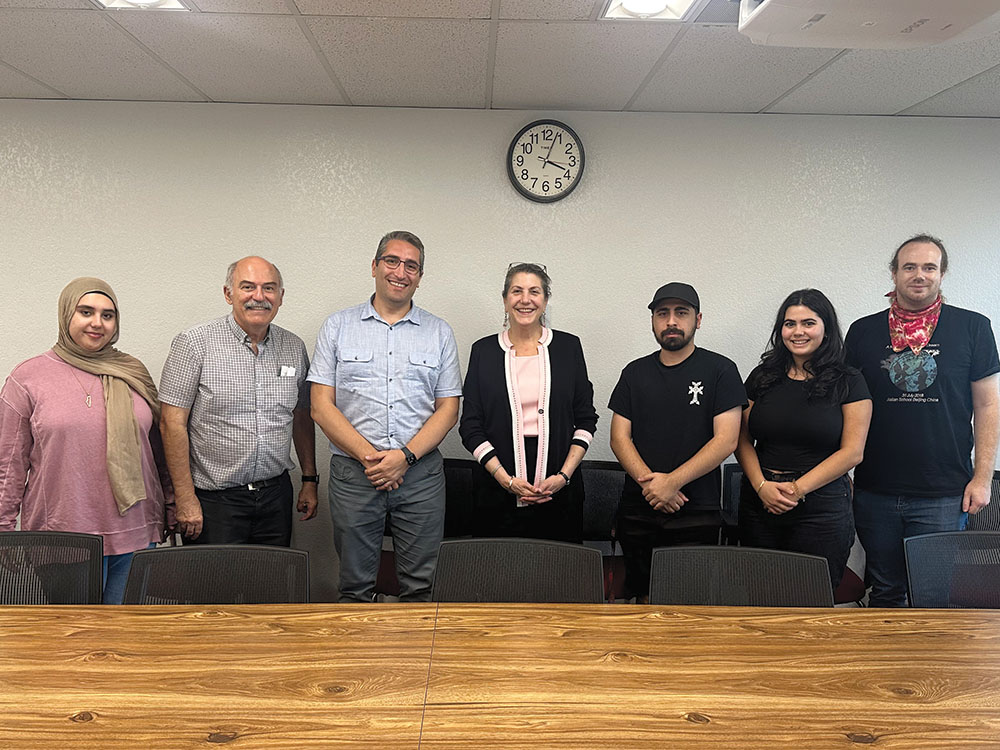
694,390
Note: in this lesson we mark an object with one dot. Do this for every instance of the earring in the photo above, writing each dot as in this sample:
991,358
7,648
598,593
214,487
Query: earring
506,320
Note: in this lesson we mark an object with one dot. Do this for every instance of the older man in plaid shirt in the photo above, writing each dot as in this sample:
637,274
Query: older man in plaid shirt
234,398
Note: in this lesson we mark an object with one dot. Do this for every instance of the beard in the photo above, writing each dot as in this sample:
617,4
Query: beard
674,343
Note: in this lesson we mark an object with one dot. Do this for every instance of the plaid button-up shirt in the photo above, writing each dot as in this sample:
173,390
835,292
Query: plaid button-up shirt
240,426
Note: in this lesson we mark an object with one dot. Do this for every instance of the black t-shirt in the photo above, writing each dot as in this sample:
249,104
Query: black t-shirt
920,441
792,432
671,410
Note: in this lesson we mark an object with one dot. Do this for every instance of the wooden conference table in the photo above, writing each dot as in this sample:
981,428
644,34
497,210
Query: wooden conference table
497,676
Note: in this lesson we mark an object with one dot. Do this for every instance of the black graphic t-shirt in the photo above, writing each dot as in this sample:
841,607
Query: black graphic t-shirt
920,441
671,410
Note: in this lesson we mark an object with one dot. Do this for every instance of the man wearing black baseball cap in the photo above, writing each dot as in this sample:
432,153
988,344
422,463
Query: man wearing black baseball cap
676,419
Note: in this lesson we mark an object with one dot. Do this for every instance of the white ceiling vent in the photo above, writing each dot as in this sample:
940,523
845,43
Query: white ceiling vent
873,24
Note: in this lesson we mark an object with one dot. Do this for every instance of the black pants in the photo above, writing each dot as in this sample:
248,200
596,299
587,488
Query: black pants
238,515
821,525
496,513
640,530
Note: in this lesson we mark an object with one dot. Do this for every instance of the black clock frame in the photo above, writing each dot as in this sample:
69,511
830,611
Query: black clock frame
516,182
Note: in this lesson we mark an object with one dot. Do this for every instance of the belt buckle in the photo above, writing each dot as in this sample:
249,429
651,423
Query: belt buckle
251,487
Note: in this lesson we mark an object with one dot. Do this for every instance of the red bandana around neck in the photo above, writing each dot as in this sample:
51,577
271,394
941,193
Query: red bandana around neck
912,328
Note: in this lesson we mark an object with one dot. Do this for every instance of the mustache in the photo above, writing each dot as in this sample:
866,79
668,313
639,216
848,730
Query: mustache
265,305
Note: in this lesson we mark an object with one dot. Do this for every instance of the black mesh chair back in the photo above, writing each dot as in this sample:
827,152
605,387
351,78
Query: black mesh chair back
50,567
458,508
988,519
517,570
954,569
218,574
738,576
603,482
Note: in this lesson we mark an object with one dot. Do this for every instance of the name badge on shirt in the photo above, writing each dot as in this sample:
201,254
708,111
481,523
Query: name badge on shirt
287,372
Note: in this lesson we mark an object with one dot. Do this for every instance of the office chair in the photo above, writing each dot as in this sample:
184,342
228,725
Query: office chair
954,569
50,567
218,574
517,570
603,482
988,519
738,576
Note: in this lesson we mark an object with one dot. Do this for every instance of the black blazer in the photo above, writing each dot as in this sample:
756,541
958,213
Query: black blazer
569,418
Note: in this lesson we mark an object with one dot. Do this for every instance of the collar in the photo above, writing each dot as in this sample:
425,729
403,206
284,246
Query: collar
413,315
242,336
544,340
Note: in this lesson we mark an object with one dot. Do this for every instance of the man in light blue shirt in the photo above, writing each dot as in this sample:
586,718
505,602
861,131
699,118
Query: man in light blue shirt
385,389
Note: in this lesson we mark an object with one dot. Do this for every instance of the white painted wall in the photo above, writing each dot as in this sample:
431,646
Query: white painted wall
158,198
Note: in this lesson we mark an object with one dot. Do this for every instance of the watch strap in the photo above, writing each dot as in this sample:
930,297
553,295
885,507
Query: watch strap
310,478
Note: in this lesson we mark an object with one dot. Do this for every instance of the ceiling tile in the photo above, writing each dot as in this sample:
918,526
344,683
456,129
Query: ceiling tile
243,6
717,69
978,97
237,58
575,65
883,82
81,4
556,10
407,62
13,85
83,55
396,8
719,11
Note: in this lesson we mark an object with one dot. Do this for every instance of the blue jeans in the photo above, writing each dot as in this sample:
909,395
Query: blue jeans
115,570
883,521
416,517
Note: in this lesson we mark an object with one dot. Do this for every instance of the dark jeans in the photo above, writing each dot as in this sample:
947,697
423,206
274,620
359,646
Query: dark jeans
640,530
884,521
821,525
238,515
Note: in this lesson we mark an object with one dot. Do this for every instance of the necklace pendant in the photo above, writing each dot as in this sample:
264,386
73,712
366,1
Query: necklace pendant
88,400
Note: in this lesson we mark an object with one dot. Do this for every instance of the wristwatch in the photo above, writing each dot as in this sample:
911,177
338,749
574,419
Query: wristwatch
410,458
563,475
310,478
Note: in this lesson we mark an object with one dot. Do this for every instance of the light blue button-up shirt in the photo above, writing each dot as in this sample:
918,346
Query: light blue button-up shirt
387,376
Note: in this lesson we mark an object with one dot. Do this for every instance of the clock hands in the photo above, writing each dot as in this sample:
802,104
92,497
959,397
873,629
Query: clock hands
545,160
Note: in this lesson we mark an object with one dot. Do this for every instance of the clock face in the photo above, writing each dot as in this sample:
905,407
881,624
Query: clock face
545,161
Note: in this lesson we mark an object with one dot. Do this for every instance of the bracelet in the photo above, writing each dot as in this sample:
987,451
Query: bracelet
493,473
564,476
510,483
798,493
762,481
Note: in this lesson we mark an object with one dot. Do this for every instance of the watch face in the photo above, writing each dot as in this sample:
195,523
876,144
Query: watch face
545,161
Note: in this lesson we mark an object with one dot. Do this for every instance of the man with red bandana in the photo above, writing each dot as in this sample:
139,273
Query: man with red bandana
932,372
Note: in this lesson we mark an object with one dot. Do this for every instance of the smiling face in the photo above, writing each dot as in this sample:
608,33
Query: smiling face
674,324
94,322
394,287
256,294
918,275
802,332
525,300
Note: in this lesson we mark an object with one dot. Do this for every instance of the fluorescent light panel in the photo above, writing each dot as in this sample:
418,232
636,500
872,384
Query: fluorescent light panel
653,10
143,4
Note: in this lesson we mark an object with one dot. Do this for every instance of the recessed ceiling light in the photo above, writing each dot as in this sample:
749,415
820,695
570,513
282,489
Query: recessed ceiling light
659,10
143,4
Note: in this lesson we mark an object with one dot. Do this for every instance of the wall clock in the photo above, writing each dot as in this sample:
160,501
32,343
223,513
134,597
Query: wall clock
545,161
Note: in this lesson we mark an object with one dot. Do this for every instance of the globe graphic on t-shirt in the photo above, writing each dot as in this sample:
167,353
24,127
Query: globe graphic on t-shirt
912,372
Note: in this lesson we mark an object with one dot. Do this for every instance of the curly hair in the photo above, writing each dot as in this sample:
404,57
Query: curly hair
827,370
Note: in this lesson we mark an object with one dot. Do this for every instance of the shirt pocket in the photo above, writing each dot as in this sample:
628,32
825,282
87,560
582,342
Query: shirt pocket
422,368
354,368
286,388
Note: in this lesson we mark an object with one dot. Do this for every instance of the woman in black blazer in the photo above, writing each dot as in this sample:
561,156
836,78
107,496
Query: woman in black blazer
528,418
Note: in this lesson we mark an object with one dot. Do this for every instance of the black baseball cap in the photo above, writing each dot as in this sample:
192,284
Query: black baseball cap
676,290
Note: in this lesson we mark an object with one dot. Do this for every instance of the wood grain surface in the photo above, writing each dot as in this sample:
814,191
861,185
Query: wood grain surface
497,676
569,676
281,676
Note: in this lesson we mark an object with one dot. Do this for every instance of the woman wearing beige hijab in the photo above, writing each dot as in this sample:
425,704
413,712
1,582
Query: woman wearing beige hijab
79,444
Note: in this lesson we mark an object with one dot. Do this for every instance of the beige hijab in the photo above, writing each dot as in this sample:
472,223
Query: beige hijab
118,372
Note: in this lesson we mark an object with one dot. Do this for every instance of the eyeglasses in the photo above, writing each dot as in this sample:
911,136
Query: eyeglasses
391,261
526,263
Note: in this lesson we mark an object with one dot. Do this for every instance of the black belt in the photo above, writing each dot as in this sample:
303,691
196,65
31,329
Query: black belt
260,484
781,476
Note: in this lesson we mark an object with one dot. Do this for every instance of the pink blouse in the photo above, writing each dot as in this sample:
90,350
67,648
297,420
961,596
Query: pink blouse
527,386
53,458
